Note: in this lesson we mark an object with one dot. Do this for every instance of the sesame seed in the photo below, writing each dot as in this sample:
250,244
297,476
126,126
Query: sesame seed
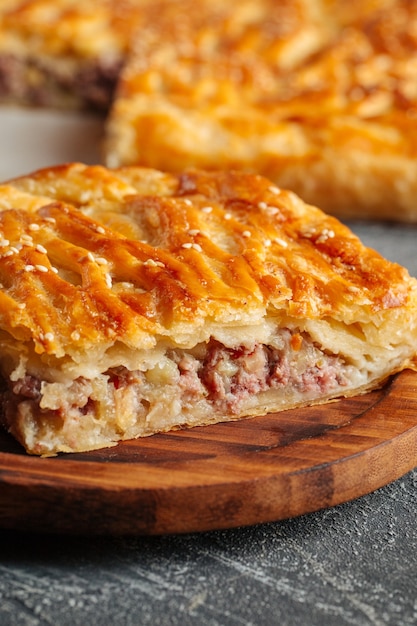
309,232
153,263
75,335
100,230
50,220
26,237
29,268
325,235
327,232
188,202
34,226
207,209
41,249
267,243
14,250
197,247
42,268
49,336
28,243
8,253
109,281
194,232
21,306
274,189
4,243
271,210
246,233
54,270
101,260
187,245
90,256
281,242
227,216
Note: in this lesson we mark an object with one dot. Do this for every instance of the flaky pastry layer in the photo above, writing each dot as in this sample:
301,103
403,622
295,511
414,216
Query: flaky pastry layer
134,301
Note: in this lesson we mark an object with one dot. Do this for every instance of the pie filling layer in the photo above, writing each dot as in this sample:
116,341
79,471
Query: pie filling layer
206,384
63,82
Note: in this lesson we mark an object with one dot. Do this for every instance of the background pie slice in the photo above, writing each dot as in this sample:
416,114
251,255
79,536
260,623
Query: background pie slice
320,97
134,301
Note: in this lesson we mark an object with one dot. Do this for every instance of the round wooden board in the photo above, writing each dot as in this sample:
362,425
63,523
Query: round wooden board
252,471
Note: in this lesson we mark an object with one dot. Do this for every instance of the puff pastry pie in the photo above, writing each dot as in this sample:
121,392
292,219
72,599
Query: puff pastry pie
134,301
319,96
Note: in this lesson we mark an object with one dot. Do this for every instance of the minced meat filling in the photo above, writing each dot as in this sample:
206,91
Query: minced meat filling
221,376
227,376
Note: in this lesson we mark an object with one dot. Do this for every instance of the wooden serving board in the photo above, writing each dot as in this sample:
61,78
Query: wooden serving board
223,476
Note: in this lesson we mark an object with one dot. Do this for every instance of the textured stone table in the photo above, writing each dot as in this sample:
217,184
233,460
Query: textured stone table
355,564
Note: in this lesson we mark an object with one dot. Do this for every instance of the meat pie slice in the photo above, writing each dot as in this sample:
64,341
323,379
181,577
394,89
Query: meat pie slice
134,301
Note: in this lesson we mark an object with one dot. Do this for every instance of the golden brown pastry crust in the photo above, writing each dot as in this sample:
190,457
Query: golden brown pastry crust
319,98
215,241
132,300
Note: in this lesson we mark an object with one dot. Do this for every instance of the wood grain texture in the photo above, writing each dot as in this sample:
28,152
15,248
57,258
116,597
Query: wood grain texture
223,476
